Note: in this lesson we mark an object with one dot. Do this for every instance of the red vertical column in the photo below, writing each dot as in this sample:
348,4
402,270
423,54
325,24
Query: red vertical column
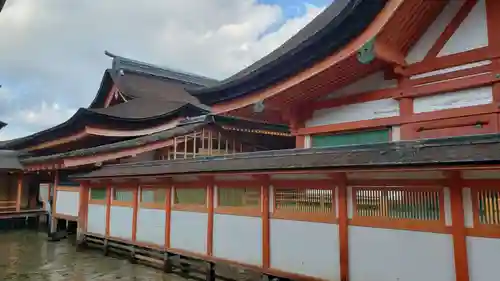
210,201
340,180
458,227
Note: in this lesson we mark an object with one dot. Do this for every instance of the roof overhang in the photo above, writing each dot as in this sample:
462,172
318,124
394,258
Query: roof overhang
9,160
2,3
447,153
382,38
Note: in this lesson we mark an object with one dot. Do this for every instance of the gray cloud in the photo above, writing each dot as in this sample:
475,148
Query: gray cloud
51,52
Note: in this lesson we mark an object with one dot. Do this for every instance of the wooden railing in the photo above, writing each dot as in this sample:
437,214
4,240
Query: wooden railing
7,205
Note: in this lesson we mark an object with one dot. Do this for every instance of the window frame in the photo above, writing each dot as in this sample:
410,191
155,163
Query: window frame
326,217
120,203
199,208
154,205
249,211
98,201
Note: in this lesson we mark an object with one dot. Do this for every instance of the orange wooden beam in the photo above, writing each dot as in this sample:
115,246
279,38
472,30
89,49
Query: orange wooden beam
458,227
264,199
211,198
19,191
450,29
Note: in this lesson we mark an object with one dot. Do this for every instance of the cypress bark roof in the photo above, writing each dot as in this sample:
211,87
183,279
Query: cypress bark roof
479,149
184,128
9,160
342,21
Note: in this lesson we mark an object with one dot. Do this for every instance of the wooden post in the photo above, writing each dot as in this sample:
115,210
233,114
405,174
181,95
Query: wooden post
264,196
458,227
83,207
341,183
210,200
19,191
109,190
168,213
135,208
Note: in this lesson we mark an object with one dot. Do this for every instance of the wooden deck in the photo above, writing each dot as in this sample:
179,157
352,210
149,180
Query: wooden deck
21,213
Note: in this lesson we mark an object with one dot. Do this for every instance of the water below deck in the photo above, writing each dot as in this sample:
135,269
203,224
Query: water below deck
27,255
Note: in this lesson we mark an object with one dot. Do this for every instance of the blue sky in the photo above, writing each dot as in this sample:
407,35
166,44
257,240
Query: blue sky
295,8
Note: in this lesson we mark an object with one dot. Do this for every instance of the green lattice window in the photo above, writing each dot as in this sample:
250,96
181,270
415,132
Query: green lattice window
354,138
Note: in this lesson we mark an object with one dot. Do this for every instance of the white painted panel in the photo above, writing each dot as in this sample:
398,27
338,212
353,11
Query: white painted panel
151,226
96,219
471,34
484,258
463,98
371,82
447,206
350,201
425,43
388,254
355,112
68,202
451,69
481,174
189,231
395,133
305,248
307,142
120,222
468,210
238,238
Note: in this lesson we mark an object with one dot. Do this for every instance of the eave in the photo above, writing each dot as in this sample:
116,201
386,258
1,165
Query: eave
329,32
343,67
446,154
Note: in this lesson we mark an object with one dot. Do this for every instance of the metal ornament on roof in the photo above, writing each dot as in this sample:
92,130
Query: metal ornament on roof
259,106
366,54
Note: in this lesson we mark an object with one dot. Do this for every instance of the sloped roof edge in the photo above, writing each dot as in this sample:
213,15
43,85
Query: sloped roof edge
335,27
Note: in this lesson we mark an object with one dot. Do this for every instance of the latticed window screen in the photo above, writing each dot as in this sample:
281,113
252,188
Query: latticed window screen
190,196
488,203
97,193
123,195
304,200
239,197
398,203
153,195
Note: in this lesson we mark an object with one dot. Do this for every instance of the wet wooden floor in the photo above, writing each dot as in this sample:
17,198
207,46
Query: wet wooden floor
28,256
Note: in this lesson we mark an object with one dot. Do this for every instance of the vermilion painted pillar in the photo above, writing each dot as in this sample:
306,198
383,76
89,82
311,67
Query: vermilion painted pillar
19,191
458,227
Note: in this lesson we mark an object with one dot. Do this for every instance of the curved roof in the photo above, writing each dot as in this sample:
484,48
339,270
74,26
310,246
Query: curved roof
138,79
2,3
9,160
2,124
125,115
341,22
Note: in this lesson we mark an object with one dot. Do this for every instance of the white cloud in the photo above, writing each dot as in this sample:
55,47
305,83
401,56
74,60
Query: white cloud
51,52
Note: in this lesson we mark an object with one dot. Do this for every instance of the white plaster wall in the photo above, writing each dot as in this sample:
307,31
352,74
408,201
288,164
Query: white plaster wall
425,43
68,202
120,224
468,209
188,231
484,258
44,192
151,226
238,238
452,69
96,219
371,82
471,34
355,112
387,254
305,248
463,98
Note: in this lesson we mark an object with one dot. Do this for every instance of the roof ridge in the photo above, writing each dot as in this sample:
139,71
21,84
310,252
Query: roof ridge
163,72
